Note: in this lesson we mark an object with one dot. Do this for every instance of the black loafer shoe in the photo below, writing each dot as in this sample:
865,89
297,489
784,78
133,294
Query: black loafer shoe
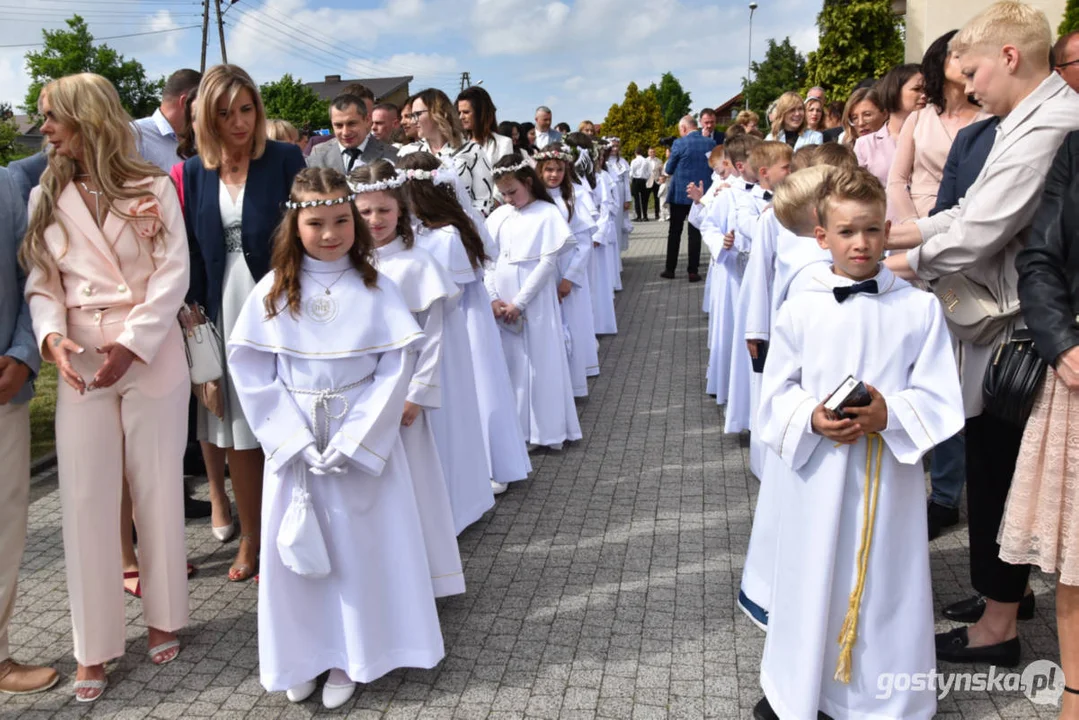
941,517
763,711
952,647
694,277
667,275
971,609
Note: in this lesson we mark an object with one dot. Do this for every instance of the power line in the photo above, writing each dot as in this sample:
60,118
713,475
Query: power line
111,37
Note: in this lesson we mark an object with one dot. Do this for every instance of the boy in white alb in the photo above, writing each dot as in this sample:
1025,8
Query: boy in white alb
717,232
703,197
769,162
852,597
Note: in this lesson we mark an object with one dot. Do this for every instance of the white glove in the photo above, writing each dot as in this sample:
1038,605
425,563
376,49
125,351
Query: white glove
311,457
333,462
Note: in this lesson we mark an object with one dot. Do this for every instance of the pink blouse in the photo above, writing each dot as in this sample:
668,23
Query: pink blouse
918,168
875,153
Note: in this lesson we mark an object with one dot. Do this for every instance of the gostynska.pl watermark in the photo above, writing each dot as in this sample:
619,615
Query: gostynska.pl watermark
1042,681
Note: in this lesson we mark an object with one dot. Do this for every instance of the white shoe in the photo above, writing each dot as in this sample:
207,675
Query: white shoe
299,693
224,534
334,696
499,488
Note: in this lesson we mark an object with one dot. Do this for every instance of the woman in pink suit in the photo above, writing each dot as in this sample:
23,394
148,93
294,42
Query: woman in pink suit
108,269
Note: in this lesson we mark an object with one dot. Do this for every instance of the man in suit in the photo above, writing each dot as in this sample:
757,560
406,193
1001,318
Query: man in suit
687,164
354,145
19,363
26,173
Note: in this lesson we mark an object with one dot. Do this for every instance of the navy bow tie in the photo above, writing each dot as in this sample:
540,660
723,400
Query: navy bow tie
767,196
749,186
845,291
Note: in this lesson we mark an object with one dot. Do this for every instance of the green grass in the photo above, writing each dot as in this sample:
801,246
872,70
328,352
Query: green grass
43,413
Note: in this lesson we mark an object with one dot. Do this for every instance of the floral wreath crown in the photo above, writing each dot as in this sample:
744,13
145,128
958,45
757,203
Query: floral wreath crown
558,154
301,204
388,184
438,177
498,172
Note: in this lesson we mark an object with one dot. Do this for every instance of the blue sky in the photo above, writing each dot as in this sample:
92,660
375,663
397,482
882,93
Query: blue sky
575,55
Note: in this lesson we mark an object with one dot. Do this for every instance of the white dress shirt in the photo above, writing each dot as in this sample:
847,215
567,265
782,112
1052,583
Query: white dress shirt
156,141
359,158
640,168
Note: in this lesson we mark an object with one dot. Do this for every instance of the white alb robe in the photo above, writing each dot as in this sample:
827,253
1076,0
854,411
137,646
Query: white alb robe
719,219
607,237
583,354
619,170
443,382
600,284
610,218
375,611
529,242
696,215
896,341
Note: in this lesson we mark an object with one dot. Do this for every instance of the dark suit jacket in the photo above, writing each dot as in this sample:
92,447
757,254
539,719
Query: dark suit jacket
269,180
27,173
688,163
965,160
328,154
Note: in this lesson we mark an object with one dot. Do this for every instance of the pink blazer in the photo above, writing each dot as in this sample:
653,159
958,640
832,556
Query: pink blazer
118,265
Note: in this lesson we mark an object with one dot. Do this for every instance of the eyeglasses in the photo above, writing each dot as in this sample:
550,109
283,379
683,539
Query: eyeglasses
1060,66
415,117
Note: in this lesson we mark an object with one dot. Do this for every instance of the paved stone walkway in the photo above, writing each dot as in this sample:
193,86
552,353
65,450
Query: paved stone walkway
603,587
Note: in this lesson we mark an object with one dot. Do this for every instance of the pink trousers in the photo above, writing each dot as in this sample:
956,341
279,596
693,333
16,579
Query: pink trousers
135,429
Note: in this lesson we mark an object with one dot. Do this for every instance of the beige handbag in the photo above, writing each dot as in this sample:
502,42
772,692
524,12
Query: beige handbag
973,314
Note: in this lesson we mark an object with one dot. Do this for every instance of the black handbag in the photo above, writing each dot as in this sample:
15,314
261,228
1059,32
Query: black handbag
1013,379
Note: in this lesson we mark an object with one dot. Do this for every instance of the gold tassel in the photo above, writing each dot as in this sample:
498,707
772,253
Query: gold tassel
849,633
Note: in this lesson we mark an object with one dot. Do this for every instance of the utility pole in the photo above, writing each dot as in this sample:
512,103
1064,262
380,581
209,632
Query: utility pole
205,29
221,32
466,80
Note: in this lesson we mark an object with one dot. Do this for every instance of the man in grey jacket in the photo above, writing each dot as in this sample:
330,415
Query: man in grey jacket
354,145
19,363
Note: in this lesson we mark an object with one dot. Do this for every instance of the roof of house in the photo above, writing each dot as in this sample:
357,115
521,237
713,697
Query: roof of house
28,125
332,86
726,107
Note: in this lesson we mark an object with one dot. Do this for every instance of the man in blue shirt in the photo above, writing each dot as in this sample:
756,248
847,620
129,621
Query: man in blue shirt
688,163
156,136
19,363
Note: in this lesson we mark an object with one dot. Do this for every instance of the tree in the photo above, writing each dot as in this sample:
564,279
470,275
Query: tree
637,121
783,69
73,51
291,100
674,102
9,133
1070,23
859,39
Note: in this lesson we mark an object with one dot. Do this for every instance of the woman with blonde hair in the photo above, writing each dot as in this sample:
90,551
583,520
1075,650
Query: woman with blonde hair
440,133
815,115
282,131
790,123
233,194
864,114
748,119
108,269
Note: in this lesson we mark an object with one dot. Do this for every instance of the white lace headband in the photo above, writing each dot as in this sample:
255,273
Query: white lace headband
380,186
498,171
299,205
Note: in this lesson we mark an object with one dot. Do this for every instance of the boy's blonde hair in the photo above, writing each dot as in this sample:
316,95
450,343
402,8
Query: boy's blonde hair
803,157
858,185
1007,23
835,155
738,148
769,153
796,196
716,155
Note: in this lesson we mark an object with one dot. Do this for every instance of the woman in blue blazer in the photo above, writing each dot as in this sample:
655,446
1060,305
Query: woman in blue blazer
233,194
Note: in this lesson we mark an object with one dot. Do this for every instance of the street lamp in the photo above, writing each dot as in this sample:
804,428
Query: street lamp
749,63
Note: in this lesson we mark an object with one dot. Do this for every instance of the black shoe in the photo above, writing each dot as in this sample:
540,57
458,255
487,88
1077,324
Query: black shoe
952,647
694,277
195,509
763,711
667,275
941,517
971,609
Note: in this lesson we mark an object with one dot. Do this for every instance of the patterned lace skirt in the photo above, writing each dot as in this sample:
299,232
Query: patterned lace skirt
1041,522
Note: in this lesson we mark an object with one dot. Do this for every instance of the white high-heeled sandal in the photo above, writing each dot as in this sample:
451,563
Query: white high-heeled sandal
98,685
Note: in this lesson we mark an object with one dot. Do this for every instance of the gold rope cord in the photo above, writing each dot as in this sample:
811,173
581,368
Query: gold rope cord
849,634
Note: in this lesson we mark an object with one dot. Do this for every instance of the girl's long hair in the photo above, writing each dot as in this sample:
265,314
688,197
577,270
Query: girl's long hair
89,106
288,252
526,175
436,206
566,186
583,144
379,171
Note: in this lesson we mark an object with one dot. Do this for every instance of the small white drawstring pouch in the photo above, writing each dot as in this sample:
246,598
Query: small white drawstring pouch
299,539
